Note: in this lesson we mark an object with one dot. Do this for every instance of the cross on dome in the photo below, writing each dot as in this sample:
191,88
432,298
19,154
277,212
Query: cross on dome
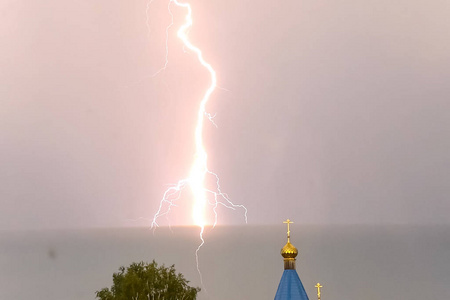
288,222
318,286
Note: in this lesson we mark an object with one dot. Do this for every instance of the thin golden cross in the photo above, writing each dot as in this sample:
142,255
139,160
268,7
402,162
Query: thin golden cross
318,286
288,222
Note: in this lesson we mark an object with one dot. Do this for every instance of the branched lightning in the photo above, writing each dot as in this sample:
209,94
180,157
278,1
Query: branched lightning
202,196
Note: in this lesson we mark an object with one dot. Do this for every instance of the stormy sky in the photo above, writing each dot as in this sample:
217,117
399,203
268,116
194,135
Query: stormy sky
329,112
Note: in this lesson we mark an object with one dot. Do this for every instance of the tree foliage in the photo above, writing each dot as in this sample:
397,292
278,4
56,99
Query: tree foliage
144,281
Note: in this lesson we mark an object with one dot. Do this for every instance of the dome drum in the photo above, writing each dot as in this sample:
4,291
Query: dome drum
289,263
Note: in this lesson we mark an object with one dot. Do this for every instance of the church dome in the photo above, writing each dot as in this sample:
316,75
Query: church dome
289,251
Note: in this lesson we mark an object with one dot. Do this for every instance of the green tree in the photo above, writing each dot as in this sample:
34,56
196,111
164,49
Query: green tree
144,281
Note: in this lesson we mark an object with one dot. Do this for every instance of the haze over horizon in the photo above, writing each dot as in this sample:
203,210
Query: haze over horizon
351,262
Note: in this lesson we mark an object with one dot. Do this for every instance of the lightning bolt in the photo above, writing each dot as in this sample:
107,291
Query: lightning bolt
202,196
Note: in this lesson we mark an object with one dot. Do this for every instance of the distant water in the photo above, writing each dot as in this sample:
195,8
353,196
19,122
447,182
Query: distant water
241,262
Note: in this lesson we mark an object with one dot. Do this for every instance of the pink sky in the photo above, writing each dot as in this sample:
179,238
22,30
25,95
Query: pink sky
337,111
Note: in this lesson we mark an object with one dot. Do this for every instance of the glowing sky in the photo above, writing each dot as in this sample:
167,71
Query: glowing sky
337,111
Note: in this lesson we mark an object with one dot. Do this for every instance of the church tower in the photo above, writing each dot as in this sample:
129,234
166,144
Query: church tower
290,287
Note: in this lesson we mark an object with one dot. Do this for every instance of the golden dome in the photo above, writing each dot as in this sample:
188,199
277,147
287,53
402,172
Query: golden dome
289,251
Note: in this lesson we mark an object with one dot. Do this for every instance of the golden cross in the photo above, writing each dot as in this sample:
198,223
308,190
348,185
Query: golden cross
318,286
288,232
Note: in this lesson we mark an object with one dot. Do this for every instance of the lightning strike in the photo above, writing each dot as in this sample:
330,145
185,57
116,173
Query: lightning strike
202,196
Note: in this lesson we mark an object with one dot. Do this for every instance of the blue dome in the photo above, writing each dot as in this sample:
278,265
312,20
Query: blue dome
291,287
